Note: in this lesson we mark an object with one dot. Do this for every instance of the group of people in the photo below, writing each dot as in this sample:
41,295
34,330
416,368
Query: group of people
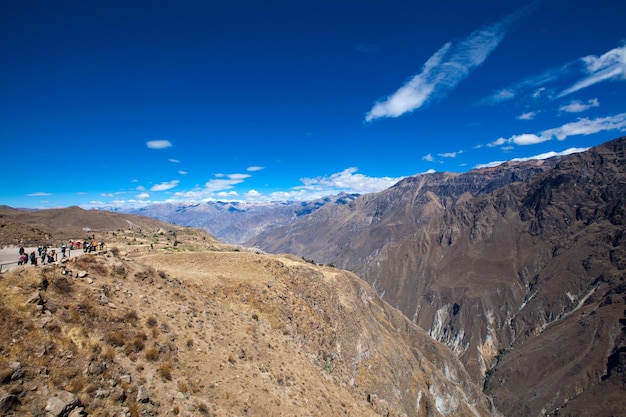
50,255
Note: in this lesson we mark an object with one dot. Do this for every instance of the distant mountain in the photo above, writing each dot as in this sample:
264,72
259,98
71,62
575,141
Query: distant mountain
237,222
520,269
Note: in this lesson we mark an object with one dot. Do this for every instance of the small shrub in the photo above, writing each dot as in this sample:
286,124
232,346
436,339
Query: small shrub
152,354
151,321
120,270
203,408
115,251
108,354
62,285
131,316
137,343
166,370
116,337
134,410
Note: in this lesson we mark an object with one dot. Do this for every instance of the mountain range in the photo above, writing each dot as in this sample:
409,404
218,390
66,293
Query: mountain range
519,269
236,222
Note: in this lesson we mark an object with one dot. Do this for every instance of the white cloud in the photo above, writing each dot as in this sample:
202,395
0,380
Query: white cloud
347,181
39,194
158,144
174,161
428,157
181,172
582,126
254,168
106,195
450,154
225,182
528,139
252,194
498,142
447,67
229,194
141,188
541,156
609,66
164,185
527,116
578,106
143,196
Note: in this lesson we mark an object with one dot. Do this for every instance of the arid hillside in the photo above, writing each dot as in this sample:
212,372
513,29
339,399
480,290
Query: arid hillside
201,328
51,226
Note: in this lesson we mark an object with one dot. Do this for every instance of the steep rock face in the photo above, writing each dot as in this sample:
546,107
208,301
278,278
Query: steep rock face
365,229
522,275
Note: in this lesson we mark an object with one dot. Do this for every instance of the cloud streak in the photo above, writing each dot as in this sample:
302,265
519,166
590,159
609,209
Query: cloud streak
583,126
609,66
164,186
451,64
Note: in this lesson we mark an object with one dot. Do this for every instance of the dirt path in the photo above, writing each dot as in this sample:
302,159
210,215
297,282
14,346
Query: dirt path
9,256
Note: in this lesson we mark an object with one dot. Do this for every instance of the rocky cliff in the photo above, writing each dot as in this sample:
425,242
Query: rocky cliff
519,269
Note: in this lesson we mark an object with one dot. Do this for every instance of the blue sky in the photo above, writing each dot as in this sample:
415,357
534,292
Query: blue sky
128,103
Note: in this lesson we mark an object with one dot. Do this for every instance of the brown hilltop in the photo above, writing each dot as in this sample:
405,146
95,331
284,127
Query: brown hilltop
202,328
33,227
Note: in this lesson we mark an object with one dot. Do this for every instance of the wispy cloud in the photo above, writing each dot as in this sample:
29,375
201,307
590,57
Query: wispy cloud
527,116
541,156
174,161
164,186
450,154
181,172
578,106
535,83
428,157
451,64
254,168
39,194
582,126
225,181
143,196
609,66
158,144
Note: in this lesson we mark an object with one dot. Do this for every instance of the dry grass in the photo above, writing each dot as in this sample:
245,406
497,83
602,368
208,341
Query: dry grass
165,370
152,354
